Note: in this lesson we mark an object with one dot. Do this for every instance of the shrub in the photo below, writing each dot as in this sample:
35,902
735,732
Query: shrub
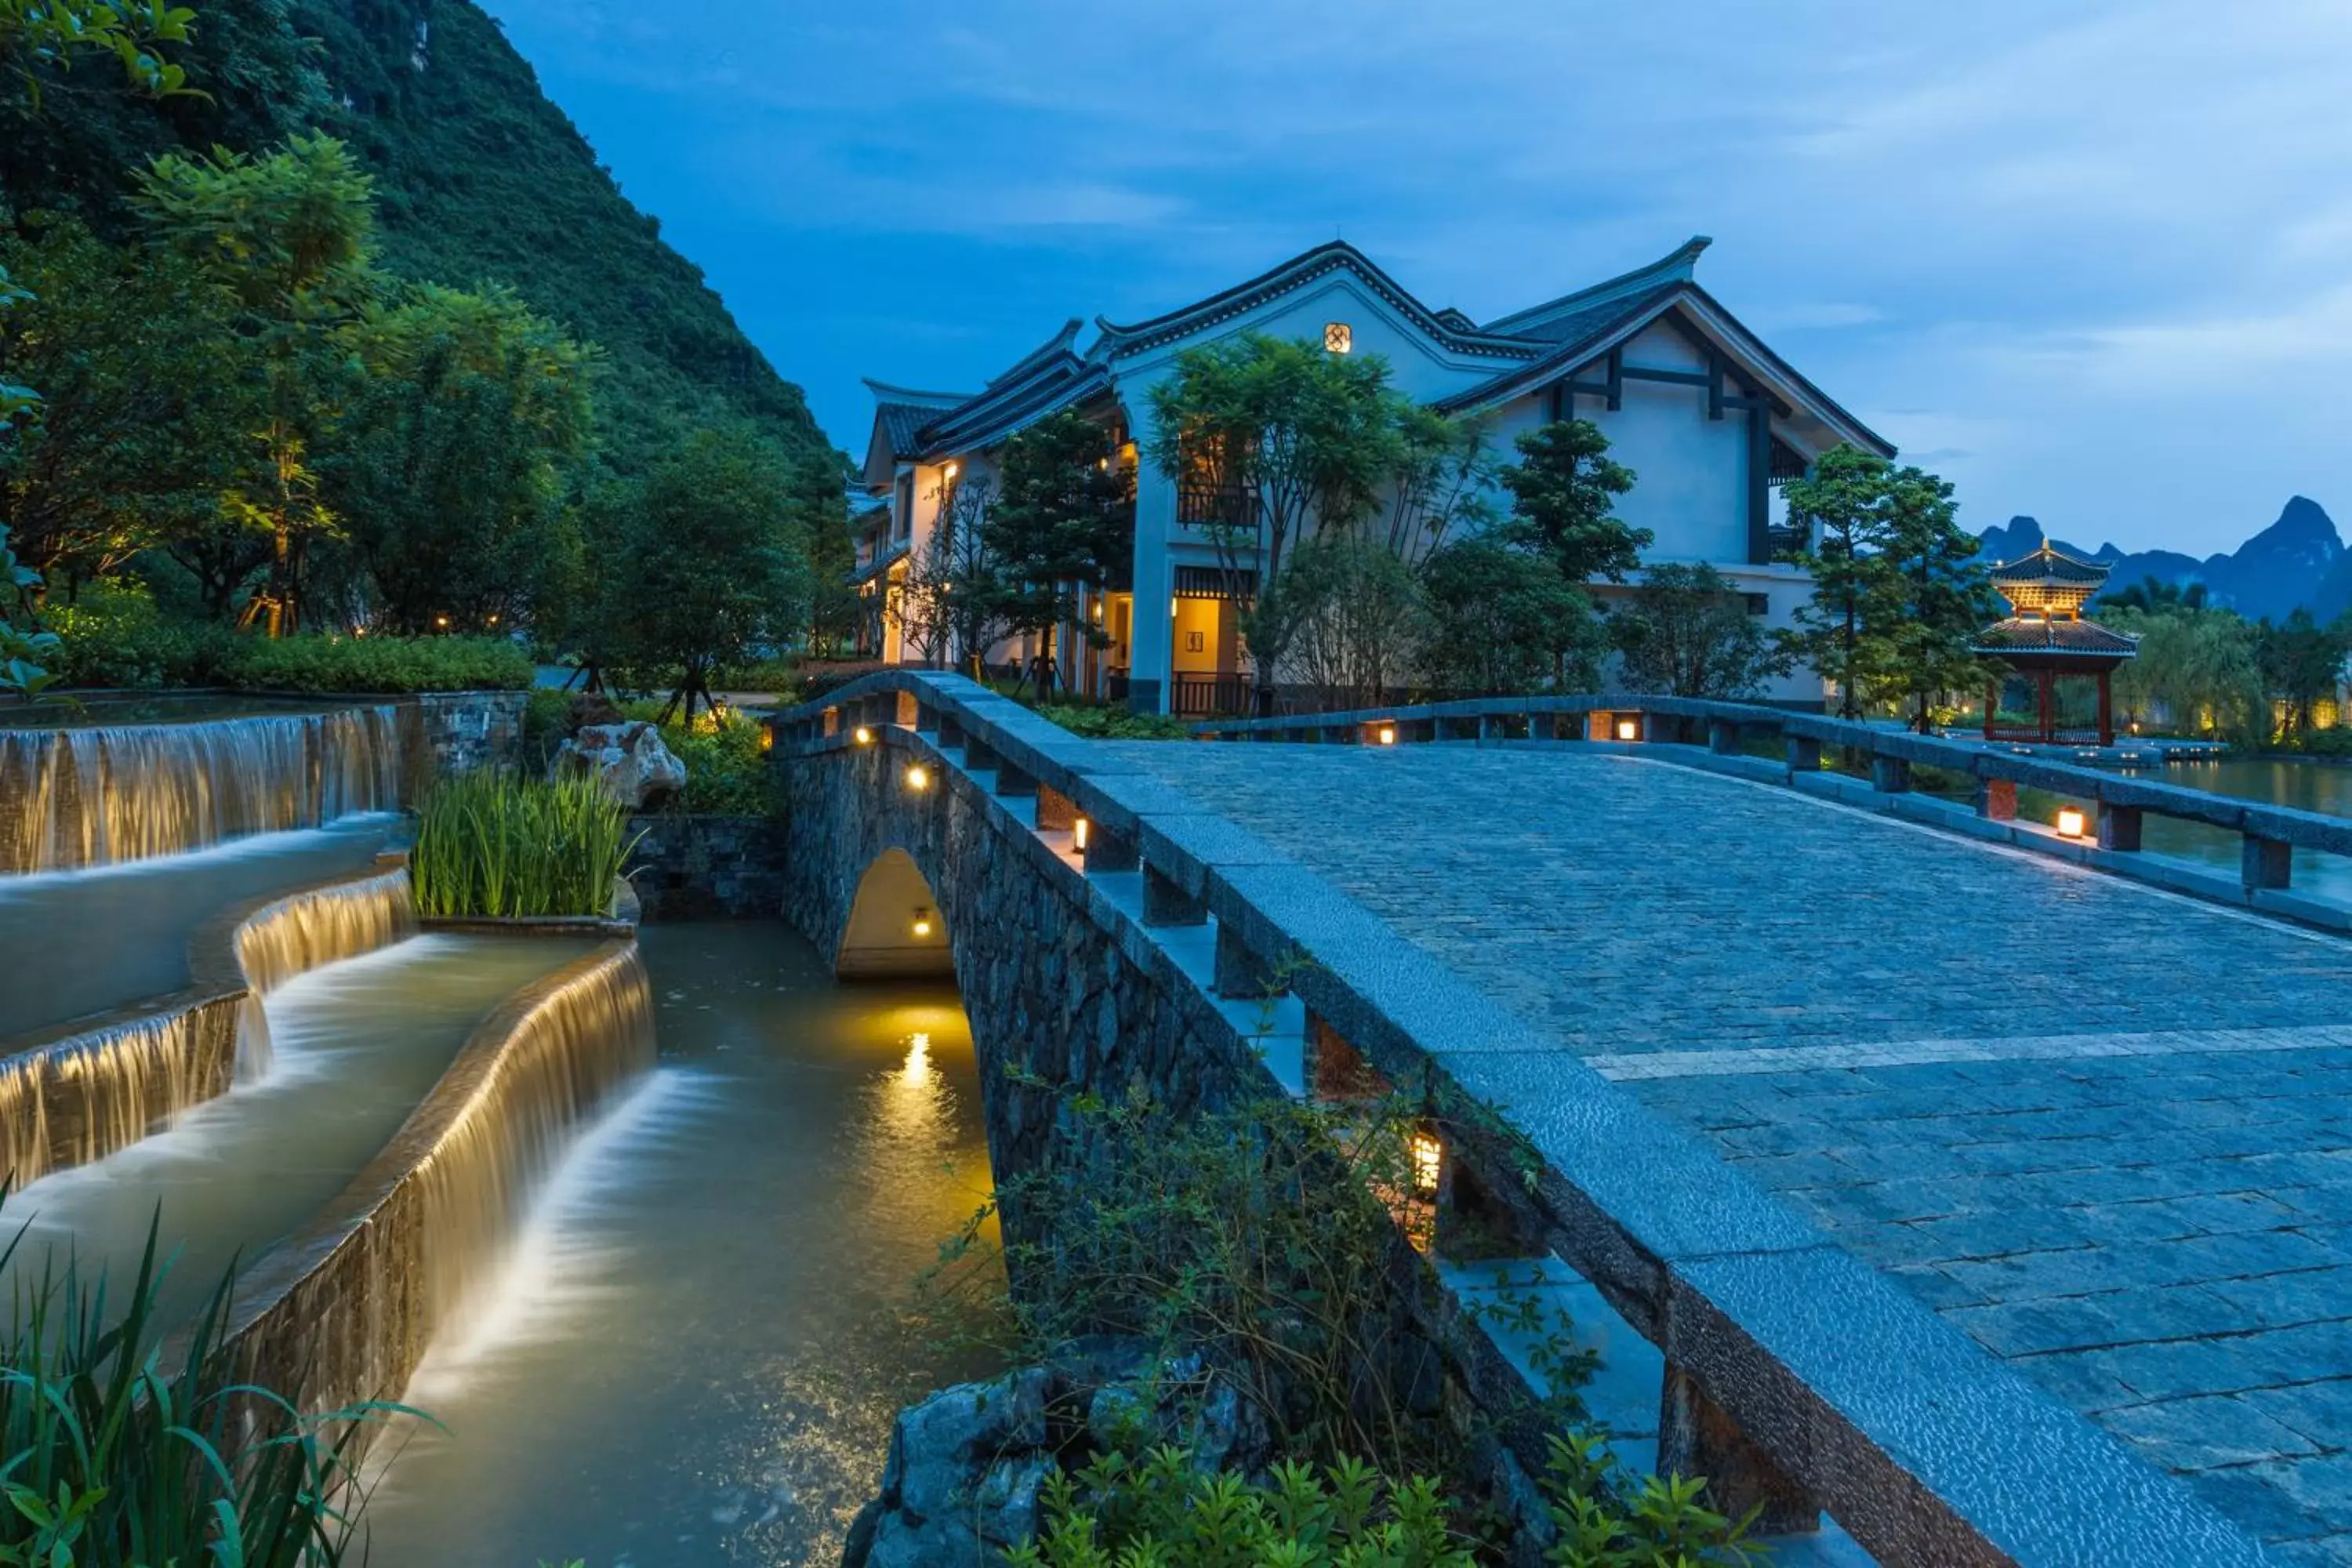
492,845
375,664
1108,723
113,1457
727,771
1167,1513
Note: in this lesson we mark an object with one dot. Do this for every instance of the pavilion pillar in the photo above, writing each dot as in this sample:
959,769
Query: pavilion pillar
2045,705
1992,704
2106,708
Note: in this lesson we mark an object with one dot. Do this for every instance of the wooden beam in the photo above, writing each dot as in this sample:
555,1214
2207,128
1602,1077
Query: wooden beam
1560,399
1673,377
1759,495
1615,392
1713,384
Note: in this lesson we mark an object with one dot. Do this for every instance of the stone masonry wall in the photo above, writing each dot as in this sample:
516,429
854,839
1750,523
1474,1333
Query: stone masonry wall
708,867
445,733
1048,994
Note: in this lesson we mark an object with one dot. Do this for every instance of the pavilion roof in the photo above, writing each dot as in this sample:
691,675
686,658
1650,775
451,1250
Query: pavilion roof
2049,567
2060,635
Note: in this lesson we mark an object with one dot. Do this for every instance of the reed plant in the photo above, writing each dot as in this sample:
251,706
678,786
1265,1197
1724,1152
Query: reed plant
117,1454
494,845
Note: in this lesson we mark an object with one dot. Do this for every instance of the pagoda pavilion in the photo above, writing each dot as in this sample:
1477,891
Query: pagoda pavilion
2046,638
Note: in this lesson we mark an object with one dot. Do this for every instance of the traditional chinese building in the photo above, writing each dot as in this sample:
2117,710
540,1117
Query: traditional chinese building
1709,418
2046,639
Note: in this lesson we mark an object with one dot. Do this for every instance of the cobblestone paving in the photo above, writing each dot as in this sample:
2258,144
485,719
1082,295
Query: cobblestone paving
2106,1131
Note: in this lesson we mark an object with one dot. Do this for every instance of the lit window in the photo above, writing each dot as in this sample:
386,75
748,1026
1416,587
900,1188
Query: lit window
1338,337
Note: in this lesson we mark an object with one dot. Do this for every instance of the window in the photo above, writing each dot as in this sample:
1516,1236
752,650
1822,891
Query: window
1338,337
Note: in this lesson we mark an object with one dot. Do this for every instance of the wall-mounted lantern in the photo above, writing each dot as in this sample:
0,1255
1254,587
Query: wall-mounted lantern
1079,829
865,736
919,777
921,925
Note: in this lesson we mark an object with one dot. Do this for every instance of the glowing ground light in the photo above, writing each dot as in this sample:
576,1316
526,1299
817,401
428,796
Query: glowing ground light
1428,1160
1387,734
2069,822
919,777
1629,729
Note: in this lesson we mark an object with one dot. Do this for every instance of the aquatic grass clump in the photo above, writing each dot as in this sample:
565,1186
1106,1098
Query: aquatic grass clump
112,1458
495,845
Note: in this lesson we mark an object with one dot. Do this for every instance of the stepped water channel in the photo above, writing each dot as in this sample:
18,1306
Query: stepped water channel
648,1301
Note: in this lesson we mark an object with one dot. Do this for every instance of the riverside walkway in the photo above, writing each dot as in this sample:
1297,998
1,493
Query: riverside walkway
2102,1129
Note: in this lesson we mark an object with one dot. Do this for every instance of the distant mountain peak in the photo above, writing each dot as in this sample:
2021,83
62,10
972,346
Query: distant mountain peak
2299,562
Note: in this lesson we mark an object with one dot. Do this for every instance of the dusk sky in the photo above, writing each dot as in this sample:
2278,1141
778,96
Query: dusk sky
2092,262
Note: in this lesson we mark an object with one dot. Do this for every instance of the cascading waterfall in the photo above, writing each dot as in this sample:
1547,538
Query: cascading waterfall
85,1098
564,1059
98,796
307,930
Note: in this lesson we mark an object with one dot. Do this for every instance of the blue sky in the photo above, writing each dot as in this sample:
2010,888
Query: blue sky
2091,261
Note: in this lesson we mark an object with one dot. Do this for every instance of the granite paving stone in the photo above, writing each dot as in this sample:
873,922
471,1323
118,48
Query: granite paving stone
2104,1129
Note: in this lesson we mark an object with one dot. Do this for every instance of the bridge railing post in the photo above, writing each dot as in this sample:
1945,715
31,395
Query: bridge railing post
1890,775
2266,863
1240,972
1167,904
1107,850
1723,736
1697,1438
2119,825
1804,754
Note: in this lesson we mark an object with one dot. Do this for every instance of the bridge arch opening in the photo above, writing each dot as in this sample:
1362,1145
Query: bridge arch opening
894,929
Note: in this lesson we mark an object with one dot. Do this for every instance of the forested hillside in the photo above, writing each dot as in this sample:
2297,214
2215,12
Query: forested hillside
479,179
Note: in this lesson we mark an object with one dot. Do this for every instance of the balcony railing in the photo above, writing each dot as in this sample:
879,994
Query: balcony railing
1215,506
1212,696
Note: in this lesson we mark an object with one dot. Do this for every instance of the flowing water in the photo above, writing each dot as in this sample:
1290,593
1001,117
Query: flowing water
104,794
83,942
695,1353
358,1043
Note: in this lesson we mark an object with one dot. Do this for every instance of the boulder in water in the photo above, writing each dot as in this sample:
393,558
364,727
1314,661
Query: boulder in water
630,762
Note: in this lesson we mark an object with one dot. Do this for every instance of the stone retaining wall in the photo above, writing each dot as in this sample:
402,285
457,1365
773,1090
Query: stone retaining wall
708,867
345,1310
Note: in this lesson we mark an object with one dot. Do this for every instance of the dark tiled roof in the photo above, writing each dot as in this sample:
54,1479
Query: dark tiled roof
2022,634
2049,567
1009,405
1677,266
881,563
1337,255
903,412
1590,330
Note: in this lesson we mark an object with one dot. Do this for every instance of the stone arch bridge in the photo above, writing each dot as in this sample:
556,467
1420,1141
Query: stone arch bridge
1986,1191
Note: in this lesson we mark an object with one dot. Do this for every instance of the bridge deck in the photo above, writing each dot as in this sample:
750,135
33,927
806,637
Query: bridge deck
2104,1130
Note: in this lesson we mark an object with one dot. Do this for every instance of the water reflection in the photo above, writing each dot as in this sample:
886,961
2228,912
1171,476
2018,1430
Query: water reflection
696,1358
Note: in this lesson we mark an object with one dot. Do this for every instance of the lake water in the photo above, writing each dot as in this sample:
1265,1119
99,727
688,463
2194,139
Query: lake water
2307,786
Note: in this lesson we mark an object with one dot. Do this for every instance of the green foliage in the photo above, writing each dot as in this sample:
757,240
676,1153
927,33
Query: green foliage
39,38
1251,1235
115,636
115,1457
490,844
322,663
1607,1517
1103,722
453,460
1563,494
1686,632
26,655
2201,668
1350,613
1064,519
2334,743
2302,662
956,599
1303,439
727,771
1165,1512
713,561
149,392
1897,596
1503,619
